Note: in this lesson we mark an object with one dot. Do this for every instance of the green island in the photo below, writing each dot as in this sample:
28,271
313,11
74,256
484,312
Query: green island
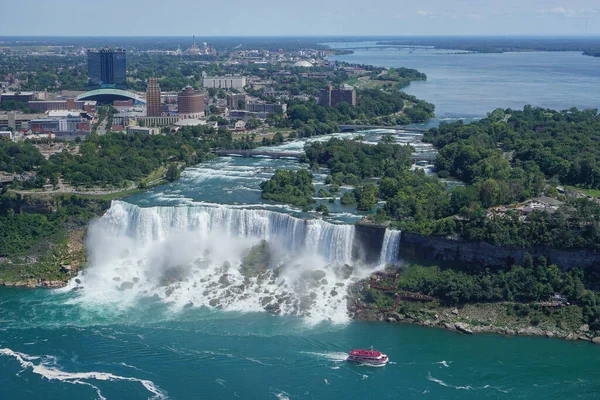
504,161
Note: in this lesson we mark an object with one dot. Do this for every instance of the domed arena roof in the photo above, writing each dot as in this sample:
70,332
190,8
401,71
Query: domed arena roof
108,95
303,64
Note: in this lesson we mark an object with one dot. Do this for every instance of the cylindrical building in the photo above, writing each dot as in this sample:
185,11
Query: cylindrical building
190,103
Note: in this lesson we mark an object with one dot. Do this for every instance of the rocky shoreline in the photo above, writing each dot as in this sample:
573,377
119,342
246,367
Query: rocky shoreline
32,283
452,320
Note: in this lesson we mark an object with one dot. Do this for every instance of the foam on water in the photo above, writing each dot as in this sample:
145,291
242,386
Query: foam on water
467,387
51,372
331,356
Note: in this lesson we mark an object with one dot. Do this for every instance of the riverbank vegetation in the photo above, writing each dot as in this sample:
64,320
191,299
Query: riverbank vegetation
522,293
24,221
373,106
41,236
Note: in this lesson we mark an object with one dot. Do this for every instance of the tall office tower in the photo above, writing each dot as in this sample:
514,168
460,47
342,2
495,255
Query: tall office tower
153,108
106,68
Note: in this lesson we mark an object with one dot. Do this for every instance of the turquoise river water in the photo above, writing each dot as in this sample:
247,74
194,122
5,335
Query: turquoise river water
162,310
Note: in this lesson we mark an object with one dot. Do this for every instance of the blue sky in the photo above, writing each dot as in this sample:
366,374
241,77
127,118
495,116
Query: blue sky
303,17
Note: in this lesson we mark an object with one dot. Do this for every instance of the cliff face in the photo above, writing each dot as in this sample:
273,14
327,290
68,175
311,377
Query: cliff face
368,242
484,254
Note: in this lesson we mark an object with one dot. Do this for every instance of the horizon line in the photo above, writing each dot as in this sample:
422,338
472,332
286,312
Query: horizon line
544,35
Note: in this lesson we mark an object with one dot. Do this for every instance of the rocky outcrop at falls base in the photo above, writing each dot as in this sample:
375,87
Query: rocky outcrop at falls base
257,260
475,319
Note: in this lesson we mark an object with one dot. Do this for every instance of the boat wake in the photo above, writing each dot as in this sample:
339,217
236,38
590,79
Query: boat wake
47,370
331,356
468,387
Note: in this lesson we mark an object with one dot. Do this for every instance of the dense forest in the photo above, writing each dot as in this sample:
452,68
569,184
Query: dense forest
423,204
561,144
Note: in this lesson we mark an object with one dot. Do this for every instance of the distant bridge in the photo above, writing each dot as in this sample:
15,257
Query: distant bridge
430,157
385,47
395,127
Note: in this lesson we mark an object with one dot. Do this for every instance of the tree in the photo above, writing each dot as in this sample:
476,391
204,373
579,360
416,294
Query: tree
172,173
348,198
366,197
322,208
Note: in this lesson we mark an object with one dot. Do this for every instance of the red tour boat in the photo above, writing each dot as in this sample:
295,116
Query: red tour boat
371,356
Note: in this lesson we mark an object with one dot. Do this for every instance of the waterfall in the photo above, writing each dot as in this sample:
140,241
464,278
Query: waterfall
333,242
195,256
390,250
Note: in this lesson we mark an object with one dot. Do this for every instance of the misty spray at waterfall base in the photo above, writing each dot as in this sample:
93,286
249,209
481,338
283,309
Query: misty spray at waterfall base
231,258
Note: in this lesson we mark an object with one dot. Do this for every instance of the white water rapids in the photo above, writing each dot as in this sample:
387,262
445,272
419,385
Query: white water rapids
191,256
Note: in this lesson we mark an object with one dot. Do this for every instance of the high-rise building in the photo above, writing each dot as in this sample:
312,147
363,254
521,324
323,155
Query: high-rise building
332,97
190,102
106,68
153,108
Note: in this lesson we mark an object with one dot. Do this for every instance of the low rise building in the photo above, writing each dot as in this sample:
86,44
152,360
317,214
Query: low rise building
68,104
240,125
62,121
22,97
224,82
18,121
131,130
263,107
7,134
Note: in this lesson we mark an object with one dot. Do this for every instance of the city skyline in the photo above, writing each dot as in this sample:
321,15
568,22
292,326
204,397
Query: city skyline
337,18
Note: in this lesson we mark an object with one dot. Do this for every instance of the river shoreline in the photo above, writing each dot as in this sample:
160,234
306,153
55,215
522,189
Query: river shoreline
459,320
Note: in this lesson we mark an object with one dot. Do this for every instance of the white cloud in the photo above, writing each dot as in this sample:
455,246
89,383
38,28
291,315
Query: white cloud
474,16
425,13
568,12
